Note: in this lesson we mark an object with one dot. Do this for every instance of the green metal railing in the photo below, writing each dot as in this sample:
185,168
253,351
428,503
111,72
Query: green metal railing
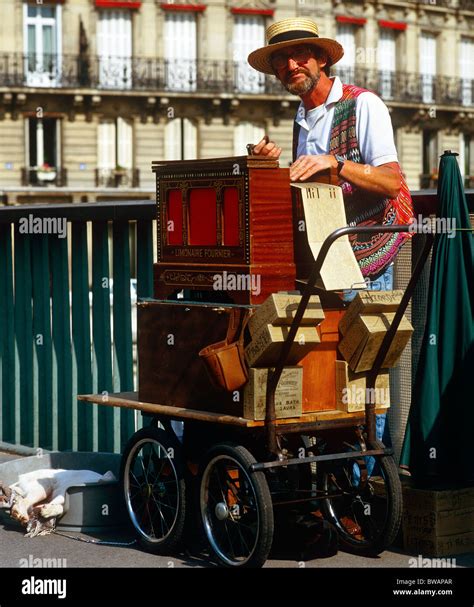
53,343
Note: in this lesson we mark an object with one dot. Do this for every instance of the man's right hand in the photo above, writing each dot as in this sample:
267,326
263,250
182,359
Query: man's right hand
265,147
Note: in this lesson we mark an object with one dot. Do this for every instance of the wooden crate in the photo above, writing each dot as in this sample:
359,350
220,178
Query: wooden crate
459,543
351,389
170,336
280,309
438,522
287,395
370,302
360,345
265,348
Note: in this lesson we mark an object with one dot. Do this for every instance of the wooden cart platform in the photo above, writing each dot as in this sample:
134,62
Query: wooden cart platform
319,419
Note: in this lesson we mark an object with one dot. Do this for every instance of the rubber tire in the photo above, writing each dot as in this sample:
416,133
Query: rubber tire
263,498
173,541
394,517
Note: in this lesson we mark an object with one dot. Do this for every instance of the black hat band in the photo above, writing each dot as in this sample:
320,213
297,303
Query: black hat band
292,35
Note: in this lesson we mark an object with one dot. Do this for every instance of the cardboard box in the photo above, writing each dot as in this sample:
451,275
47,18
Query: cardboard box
280,309
265,347
370,302
351,389
438,522
288,395
360,345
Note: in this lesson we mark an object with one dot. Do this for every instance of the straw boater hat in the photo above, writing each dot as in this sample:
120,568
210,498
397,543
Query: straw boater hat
288,33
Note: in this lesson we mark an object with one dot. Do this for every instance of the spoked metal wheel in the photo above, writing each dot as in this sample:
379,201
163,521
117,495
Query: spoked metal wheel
236,507
154,489
366,510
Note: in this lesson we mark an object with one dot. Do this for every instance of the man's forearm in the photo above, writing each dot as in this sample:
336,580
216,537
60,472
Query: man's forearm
383,180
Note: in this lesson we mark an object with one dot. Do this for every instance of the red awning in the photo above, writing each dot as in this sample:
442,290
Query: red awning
265,12
118,3
194,8
351,20
393,25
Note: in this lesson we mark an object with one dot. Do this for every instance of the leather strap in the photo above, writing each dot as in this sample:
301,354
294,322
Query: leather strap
238,320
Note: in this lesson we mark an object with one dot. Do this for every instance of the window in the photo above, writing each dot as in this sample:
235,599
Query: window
115,153
180,51
249,34
180,139
246,132
114,47
43,150
387,61
346,35
427,66
430,159
115,149
466,70
43,139
42,44
466,158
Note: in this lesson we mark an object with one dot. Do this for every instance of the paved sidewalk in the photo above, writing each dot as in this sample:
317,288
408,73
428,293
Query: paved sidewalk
18,550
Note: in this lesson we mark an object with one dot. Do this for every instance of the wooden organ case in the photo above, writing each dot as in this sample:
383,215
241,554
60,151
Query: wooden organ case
224,225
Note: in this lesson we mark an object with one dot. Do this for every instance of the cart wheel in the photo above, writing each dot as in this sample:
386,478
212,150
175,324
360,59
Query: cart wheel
154,489
366,511
236,507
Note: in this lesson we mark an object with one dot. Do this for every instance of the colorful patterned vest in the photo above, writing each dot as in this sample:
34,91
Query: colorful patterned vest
373,252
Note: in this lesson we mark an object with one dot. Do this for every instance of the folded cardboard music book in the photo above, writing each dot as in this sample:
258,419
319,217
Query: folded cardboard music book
324,212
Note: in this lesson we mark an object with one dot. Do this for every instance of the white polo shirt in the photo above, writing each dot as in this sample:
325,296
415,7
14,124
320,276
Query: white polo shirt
374,129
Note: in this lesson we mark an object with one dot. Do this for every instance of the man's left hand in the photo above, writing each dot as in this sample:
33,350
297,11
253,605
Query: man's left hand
306,166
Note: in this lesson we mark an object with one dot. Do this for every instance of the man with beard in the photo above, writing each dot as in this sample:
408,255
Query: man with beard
344,127
339,126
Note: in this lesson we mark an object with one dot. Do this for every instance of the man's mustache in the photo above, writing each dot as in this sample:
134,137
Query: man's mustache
295,73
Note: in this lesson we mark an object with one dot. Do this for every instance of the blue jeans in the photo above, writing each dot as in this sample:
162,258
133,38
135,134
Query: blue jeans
383,283
178,428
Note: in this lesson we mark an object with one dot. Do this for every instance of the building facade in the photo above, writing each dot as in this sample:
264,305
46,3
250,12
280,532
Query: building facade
91,91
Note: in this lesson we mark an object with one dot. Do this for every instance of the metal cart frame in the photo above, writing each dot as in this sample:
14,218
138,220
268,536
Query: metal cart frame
234,486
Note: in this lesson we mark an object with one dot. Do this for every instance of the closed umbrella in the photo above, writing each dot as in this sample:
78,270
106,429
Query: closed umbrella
440,430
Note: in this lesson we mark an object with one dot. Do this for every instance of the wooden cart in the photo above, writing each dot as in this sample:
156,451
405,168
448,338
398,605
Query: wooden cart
235,473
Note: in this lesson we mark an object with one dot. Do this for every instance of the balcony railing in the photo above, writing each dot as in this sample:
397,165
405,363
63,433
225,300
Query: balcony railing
440,3
466,5
117,178
410,87
214,77
39,177
139,73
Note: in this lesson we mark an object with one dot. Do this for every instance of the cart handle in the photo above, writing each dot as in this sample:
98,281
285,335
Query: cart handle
274,376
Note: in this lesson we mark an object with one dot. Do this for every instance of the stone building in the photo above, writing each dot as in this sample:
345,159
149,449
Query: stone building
91,91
